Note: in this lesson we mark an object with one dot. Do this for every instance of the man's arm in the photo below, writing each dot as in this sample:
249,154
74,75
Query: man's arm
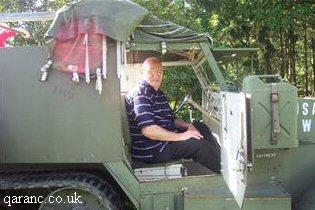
144,117
156,132
185,126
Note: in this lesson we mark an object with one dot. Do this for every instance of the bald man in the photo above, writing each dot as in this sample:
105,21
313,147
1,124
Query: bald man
157,135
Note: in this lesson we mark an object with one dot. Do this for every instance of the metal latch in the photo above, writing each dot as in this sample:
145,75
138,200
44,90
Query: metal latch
275,114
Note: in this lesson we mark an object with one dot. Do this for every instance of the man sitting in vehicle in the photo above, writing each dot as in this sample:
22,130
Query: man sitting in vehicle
157,135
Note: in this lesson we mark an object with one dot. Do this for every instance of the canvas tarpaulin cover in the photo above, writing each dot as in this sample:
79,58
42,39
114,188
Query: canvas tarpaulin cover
79,30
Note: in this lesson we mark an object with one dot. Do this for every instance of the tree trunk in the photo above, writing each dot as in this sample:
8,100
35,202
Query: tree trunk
286,56
267,62
313,64
282,55
292,42
305,61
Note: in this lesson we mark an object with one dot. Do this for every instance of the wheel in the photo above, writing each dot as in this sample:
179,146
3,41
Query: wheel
69,198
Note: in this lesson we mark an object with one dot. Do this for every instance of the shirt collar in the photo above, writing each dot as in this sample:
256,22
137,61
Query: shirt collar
146,84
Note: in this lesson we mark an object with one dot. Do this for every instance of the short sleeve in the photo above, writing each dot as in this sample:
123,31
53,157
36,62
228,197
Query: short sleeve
143,109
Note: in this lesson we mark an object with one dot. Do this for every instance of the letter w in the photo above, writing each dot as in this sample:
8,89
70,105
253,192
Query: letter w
307,125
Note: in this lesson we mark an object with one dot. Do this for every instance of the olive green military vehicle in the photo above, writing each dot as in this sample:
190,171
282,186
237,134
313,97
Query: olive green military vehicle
64,137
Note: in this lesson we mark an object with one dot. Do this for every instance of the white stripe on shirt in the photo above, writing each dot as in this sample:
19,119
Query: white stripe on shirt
161,110
143,113
142,156
144,122
142,96
165,102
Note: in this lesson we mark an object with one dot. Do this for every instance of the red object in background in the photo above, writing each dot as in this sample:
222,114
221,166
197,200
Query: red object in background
6,34
71,49
73,52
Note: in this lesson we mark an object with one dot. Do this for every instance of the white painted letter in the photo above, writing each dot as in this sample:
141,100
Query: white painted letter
305,108
307,123
313,109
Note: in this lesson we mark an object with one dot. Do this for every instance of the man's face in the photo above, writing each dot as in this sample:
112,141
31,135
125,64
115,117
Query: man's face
153,74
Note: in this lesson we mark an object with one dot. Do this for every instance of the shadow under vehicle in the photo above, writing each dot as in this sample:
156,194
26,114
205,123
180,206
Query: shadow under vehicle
64,135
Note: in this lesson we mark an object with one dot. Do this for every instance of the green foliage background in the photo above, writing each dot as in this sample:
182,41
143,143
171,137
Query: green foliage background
282,29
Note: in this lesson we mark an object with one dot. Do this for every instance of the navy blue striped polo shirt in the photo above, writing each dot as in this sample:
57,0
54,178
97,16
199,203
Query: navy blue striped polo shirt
146,106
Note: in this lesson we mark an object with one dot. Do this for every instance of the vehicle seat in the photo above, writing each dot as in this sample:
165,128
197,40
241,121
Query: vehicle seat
125,129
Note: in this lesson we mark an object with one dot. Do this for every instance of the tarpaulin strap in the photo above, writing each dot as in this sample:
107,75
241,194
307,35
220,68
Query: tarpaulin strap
163,46
275,114
98,84
104,57
45,70
119,59
124,60
75,75
87,60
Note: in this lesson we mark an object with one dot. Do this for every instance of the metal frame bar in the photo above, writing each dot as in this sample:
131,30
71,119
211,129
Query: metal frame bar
214,66
169,46
26,16
169,63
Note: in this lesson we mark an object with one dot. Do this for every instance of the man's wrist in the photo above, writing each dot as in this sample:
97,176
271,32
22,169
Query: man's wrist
190,125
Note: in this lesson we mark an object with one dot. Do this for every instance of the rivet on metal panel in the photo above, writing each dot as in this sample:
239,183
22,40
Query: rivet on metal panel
184,190
45,70
249,166
273,178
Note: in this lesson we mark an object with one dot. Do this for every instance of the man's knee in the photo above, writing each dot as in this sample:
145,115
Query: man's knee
204,130
202,147
200,125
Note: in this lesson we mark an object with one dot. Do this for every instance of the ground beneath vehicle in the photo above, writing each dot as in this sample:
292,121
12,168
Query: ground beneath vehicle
61,138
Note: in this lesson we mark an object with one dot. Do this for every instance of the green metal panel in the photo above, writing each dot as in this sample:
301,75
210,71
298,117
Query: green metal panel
57,121
167,194
261,112
165,201
126,179
308,200
196,203
177,185
259,197
209,192
306,120
292,168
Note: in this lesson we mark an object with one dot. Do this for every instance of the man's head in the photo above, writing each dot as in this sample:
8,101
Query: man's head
152,72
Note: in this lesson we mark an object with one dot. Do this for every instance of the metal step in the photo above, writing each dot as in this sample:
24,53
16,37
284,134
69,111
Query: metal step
258,197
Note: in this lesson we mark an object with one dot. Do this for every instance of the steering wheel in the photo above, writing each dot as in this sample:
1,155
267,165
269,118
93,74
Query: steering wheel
186,99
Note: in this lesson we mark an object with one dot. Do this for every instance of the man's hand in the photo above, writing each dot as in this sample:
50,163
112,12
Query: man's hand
155,132
190,134
192,128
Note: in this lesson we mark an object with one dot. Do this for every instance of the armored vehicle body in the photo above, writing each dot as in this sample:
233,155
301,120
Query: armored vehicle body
64,137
